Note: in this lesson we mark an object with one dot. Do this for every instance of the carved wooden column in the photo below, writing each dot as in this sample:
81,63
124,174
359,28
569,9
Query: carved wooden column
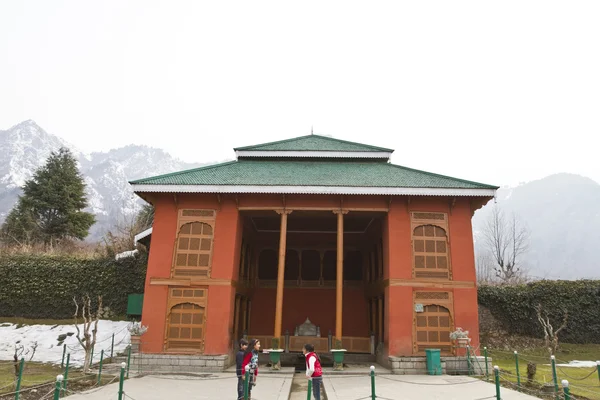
321,257
236,322
339,280
280,272
380,306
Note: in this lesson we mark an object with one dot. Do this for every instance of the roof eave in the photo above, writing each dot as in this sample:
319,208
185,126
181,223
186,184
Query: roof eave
312,154
345,190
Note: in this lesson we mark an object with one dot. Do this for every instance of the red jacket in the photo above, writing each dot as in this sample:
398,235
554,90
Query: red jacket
247,359
318,371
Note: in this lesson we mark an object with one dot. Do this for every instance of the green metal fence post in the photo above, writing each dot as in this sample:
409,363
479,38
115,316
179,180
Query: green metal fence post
62,363
92,357
468,360
66,379
487,372
565,384
59,379
246,382
497,379
21,365
554,377
598,369
517,366
112,346
100,367
129,360
121,379
373,396
309,392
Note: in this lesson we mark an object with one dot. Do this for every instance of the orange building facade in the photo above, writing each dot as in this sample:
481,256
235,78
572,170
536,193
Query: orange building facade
376,255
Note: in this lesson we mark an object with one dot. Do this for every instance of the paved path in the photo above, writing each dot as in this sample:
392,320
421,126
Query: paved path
219,386
277,387
414,387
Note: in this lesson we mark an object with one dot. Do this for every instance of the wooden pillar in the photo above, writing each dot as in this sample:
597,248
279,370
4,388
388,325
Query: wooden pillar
380,307
236,322
321,257
280,272
242,315
373,309
339,281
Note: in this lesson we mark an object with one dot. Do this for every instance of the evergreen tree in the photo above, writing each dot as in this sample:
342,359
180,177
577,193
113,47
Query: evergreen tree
51,208
144,218
19,228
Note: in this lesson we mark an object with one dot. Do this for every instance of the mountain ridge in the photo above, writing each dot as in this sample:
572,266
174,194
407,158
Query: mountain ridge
25,147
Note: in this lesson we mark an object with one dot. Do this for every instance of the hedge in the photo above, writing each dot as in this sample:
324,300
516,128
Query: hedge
513,307
44,286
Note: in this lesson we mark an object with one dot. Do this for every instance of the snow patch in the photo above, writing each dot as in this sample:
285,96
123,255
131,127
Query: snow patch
48,349
579,364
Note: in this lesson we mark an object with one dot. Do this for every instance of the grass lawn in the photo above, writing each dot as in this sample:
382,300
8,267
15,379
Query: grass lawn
36,374
584,382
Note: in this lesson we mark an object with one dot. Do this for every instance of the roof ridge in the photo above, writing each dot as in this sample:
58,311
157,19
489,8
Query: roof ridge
270,143
185,171
444,176
332,139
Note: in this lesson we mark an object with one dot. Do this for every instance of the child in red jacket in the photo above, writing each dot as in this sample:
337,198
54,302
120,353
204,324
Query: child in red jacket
251,359
313,369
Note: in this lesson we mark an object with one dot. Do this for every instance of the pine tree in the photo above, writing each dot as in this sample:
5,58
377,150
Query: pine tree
52,204
19,228
145,217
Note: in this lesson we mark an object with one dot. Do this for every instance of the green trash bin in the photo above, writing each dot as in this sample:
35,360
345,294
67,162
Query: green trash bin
434,361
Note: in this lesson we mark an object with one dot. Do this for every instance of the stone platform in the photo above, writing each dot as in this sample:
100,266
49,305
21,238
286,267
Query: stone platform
142,363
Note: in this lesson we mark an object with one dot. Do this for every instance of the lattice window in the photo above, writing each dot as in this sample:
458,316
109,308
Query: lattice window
432,328
193,247
432,295
186,320
428,216
431,256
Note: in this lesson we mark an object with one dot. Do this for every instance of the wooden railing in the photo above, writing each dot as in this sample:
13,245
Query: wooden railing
351,343
357,344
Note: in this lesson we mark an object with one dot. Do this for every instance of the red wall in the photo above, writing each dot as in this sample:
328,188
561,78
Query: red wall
226,253
316,304
299,303
398,313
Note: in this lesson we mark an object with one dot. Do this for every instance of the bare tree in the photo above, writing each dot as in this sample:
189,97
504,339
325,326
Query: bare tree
507,240
550,335
484,268
90,321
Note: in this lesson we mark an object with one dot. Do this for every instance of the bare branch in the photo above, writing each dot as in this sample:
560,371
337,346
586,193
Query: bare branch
506,241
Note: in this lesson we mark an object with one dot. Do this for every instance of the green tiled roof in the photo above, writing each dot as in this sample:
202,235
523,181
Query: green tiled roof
310,173
313,143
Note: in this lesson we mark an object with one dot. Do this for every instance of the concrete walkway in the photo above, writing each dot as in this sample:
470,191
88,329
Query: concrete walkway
277,387
414,387
217,386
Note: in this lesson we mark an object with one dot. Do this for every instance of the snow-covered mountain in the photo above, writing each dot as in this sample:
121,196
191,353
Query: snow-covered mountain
26,146
561,213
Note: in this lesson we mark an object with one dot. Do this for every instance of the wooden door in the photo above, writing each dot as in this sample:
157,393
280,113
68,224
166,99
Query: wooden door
433,328
186,320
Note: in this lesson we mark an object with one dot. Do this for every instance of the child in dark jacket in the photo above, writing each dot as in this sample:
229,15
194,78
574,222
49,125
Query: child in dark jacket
251,360
239,361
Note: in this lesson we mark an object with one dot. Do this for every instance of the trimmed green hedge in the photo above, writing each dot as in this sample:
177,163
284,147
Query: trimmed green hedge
513,307
44,286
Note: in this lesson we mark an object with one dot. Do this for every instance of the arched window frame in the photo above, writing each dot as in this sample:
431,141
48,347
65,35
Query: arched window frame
190,216
178,296
420,297
436,219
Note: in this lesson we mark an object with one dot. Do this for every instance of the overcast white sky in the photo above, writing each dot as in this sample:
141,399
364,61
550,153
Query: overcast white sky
499,92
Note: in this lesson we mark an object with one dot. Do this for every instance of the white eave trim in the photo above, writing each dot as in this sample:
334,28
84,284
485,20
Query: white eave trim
394,191
142,235
314,154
